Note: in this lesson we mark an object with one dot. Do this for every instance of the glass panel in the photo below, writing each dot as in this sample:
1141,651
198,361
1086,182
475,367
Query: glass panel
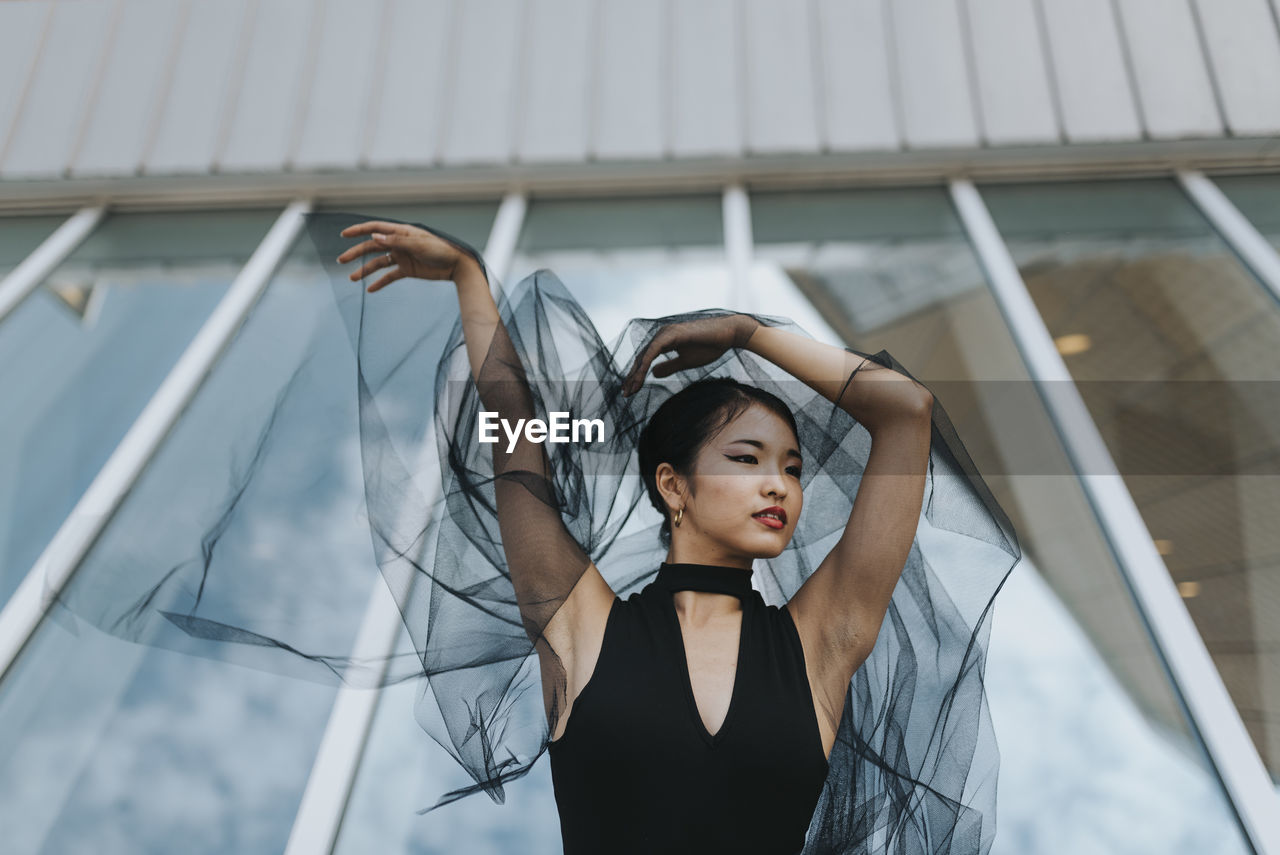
1139,291
1258,198
626,258
1096,752
110,747
83,353
620,258
19,235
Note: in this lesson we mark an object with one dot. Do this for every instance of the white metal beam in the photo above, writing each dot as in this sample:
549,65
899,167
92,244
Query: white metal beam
504,234
72,541
1197,681
736,210
1256,252
45,258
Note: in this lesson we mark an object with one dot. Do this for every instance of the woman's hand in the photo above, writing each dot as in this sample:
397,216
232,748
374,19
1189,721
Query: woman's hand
407,250
696,343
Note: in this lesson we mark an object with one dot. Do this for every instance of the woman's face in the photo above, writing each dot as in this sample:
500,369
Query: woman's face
752,465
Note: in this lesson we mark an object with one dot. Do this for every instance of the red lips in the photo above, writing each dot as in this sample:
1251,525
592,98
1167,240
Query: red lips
781,520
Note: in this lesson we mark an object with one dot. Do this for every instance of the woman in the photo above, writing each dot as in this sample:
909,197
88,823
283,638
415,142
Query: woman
689,716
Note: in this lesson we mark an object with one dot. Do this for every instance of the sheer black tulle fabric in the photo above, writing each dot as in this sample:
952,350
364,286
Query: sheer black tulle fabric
479,554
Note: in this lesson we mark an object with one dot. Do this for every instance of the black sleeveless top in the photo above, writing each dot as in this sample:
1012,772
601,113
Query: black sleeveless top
636,769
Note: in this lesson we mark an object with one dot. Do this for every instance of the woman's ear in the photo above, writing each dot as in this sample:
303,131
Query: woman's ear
671,486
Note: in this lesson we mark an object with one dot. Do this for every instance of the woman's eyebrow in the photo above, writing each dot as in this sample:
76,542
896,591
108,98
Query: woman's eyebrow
760,445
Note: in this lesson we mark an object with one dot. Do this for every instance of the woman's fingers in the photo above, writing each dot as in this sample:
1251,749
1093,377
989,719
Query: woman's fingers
387,279
359,250
392,240
377,263
371,226
641,367
394,234
381,243
670,366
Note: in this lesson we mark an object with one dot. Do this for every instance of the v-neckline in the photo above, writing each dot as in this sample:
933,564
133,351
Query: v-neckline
691,699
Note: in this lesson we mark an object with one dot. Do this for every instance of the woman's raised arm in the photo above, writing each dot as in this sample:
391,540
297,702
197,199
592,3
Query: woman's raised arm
840,607
545,561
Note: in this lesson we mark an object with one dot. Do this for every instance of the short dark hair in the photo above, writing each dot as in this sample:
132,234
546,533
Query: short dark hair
686,421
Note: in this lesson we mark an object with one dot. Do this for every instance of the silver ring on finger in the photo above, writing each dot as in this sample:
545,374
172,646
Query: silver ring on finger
387,256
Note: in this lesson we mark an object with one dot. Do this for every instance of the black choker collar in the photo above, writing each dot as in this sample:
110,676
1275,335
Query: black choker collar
705,577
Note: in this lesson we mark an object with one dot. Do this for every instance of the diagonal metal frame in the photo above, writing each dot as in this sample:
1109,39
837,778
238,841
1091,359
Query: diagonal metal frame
74,538
1212,714
23,280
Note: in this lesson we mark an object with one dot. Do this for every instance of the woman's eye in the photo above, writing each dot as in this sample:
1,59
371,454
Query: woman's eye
750,458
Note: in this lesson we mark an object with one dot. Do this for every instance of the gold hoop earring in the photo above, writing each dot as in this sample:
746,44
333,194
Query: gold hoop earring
679,517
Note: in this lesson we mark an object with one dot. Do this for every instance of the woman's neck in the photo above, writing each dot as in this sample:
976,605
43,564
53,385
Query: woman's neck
707,590
699,608
706,556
